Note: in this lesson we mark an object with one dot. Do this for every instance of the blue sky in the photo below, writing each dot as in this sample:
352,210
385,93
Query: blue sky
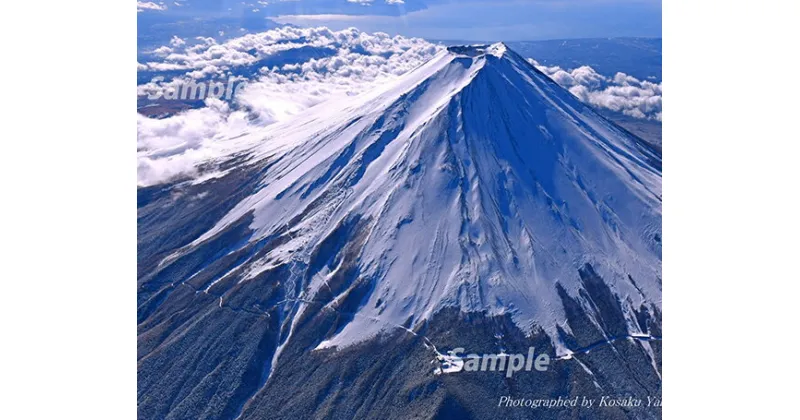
507,20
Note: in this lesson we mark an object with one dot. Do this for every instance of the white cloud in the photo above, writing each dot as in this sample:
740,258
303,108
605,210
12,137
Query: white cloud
149,5
177,42
163,51
174,146
622,93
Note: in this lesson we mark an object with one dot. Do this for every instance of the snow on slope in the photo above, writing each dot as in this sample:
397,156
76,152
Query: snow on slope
480,184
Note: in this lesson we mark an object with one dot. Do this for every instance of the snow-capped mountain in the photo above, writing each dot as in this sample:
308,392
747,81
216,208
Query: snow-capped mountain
473,192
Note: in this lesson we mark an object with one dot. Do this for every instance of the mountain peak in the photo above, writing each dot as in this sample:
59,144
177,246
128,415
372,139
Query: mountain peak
476,50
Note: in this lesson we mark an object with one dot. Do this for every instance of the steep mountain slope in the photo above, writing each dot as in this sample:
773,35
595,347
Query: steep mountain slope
474,193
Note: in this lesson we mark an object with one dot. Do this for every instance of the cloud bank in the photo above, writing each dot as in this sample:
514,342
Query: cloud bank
622,93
